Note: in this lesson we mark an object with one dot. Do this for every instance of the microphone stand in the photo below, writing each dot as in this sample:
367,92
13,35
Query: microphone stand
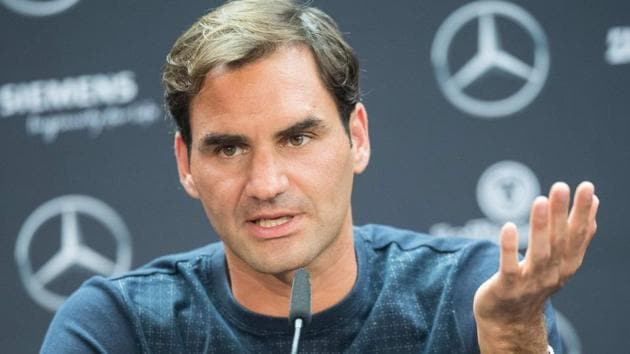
296,336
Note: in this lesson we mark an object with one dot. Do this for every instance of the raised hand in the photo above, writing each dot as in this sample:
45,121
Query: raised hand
509,306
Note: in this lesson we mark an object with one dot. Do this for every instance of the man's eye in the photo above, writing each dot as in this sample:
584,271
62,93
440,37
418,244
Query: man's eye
298,140
229,150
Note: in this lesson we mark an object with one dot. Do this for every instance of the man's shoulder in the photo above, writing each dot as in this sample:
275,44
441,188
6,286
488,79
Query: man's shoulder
173,263
129,311
383,236
147,294
174,273
186,272
404,252
433,268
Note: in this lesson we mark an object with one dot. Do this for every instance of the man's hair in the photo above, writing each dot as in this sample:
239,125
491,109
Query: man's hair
242,31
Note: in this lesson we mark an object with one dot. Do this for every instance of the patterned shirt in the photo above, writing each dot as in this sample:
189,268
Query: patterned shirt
413,294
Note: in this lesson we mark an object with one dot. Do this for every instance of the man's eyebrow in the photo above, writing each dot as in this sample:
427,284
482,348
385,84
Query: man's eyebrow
307,123
216,139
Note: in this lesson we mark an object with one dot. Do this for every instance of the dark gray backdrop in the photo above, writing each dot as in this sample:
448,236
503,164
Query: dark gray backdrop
113,143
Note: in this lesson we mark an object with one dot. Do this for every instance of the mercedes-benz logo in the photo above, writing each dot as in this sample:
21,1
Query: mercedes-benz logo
490,56
73,251
39,8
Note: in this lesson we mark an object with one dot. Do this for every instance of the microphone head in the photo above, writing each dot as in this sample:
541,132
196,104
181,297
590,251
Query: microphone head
300,297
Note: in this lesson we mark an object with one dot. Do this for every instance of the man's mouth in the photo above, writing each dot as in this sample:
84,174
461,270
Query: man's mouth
272,222
275,224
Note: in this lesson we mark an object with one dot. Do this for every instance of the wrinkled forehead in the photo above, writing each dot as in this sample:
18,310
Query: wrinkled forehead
282,86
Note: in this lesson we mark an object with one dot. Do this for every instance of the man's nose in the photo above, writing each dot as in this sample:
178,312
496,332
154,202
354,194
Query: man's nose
267,176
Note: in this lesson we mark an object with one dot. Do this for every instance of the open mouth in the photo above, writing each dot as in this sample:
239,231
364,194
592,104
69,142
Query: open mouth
268,223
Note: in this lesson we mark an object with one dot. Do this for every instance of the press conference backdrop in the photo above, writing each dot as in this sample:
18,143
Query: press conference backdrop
475,108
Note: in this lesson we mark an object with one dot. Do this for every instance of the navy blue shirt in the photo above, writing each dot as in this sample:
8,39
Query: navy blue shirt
413,294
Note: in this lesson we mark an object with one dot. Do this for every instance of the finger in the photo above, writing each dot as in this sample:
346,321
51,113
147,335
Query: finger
558,210
508,264
538,248
592,217
579,219
592,224
582,203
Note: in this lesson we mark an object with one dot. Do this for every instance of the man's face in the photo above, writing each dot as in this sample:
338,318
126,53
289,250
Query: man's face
271,162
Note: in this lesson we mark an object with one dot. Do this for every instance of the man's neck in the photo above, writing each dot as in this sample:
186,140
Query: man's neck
332,278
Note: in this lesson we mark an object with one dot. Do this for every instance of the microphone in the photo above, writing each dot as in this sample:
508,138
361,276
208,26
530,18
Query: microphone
300,310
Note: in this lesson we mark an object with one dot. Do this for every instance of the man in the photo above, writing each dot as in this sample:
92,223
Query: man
270,134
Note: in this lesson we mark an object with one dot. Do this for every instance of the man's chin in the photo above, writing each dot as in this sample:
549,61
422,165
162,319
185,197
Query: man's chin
277,266
278,269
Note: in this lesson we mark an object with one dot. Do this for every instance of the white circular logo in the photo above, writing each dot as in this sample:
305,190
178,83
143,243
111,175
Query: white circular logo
39,8
506,190
71,212
490,56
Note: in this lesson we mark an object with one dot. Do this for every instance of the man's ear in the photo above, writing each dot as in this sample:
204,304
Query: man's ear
358,127
183,166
